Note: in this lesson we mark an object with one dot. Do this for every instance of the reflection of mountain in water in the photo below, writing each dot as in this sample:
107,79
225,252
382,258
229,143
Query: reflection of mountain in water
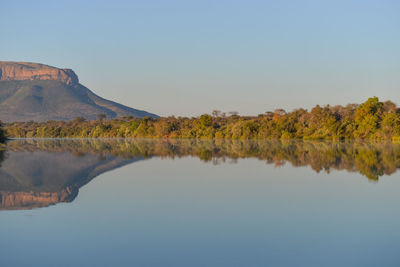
32,179
39,173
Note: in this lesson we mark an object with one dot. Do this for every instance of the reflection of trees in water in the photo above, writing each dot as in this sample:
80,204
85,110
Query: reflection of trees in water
2,155
370,159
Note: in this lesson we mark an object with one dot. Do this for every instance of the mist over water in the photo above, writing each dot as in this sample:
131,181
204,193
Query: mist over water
153,202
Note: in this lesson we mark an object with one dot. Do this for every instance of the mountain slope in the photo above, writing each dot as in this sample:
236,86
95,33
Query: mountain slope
31,91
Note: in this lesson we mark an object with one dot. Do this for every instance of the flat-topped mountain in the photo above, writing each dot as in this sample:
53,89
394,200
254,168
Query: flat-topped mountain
38,92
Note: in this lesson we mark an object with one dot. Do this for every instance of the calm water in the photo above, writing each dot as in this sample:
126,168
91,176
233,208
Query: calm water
199,203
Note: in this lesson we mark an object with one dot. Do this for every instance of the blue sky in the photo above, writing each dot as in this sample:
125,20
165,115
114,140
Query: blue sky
190,57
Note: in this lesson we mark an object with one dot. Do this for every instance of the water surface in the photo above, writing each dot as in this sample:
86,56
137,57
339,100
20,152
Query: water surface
199,203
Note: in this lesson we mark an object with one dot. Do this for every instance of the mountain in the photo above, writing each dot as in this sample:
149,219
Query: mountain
38,92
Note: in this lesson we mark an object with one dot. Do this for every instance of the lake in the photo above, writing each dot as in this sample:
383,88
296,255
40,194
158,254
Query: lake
119,202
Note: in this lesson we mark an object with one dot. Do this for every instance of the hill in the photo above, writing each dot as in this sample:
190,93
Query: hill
32,91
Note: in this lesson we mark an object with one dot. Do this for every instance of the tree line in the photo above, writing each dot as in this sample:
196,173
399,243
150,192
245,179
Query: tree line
372,119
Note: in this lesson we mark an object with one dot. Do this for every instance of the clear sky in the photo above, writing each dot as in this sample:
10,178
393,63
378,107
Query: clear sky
175,57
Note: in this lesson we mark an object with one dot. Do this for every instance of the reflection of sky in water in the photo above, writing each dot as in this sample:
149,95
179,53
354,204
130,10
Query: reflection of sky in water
184,212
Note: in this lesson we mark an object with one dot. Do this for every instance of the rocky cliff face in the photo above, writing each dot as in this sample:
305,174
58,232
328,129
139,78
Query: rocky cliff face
32,200
13,71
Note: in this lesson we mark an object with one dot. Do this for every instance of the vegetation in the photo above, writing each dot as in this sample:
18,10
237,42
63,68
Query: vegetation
371,159
370,120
